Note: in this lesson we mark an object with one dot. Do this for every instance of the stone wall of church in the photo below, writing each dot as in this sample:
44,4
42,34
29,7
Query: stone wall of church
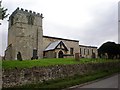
50,54
88,51
25,33
8,52
69,43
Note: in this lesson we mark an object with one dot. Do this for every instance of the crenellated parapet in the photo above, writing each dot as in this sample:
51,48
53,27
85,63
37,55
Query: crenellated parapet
25,11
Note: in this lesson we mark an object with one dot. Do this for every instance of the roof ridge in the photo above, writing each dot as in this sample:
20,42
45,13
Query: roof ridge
60,38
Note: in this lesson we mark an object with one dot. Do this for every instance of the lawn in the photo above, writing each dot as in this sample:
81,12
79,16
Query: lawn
48,62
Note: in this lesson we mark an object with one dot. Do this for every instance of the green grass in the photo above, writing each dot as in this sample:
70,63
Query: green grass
70,81
48,62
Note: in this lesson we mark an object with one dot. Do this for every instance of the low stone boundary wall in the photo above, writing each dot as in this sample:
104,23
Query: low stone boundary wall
15,77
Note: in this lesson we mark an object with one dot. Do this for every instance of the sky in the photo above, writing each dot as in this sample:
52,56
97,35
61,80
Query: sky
92,22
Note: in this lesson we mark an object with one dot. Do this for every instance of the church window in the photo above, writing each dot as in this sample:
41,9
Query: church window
84,51
30,20
43,54
71,50
88,51
92,51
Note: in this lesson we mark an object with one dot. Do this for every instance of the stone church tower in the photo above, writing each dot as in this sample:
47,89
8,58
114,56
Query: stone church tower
25,35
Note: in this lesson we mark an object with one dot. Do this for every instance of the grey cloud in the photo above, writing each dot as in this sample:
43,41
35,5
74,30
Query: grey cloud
103,28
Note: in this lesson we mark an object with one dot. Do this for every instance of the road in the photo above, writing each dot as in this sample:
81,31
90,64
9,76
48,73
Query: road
110,82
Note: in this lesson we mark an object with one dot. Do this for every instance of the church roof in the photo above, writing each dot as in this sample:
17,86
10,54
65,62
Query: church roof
60,38
87,46
54,45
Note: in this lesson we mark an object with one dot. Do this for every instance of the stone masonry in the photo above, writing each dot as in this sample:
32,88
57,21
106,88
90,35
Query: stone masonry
25,34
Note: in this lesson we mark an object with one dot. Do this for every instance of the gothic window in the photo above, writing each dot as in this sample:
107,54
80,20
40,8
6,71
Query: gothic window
71,50
43,54
92,51
88,51
30,20
84,51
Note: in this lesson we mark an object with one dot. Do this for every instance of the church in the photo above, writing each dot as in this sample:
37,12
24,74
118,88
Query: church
26,40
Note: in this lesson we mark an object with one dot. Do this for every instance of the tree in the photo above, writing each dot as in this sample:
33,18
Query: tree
111,48
3,12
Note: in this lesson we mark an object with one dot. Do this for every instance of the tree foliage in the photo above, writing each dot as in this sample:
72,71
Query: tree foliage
3,12
111,48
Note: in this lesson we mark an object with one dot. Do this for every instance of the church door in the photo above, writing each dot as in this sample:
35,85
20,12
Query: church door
60,54
34,54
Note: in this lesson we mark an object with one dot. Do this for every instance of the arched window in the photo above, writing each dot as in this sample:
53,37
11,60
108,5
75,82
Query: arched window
30,20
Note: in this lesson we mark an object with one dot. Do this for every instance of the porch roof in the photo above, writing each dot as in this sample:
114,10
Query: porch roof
54,45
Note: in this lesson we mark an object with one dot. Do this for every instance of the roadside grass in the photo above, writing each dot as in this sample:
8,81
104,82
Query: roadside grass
10,64
66,82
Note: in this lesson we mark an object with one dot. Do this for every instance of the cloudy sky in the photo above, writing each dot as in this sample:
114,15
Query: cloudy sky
92,22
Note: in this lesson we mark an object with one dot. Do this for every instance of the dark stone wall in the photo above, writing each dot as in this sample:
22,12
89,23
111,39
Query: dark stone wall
14,77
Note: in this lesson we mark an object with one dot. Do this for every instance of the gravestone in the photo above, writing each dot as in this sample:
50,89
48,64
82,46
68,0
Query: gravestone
77,57
93,55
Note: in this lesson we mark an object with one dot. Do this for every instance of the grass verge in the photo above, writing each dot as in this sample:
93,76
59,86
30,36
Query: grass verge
10,64
66,82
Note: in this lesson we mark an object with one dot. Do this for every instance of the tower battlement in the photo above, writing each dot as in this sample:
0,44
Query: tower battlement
25,11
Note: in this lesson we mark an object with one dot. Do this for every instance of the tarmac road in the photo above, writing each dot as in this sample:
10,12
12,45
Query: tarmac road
110,82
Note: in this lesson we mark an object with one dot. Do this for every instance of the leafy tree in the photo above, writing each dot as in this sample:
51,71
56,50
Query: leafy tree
3,12
111,48
119,50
